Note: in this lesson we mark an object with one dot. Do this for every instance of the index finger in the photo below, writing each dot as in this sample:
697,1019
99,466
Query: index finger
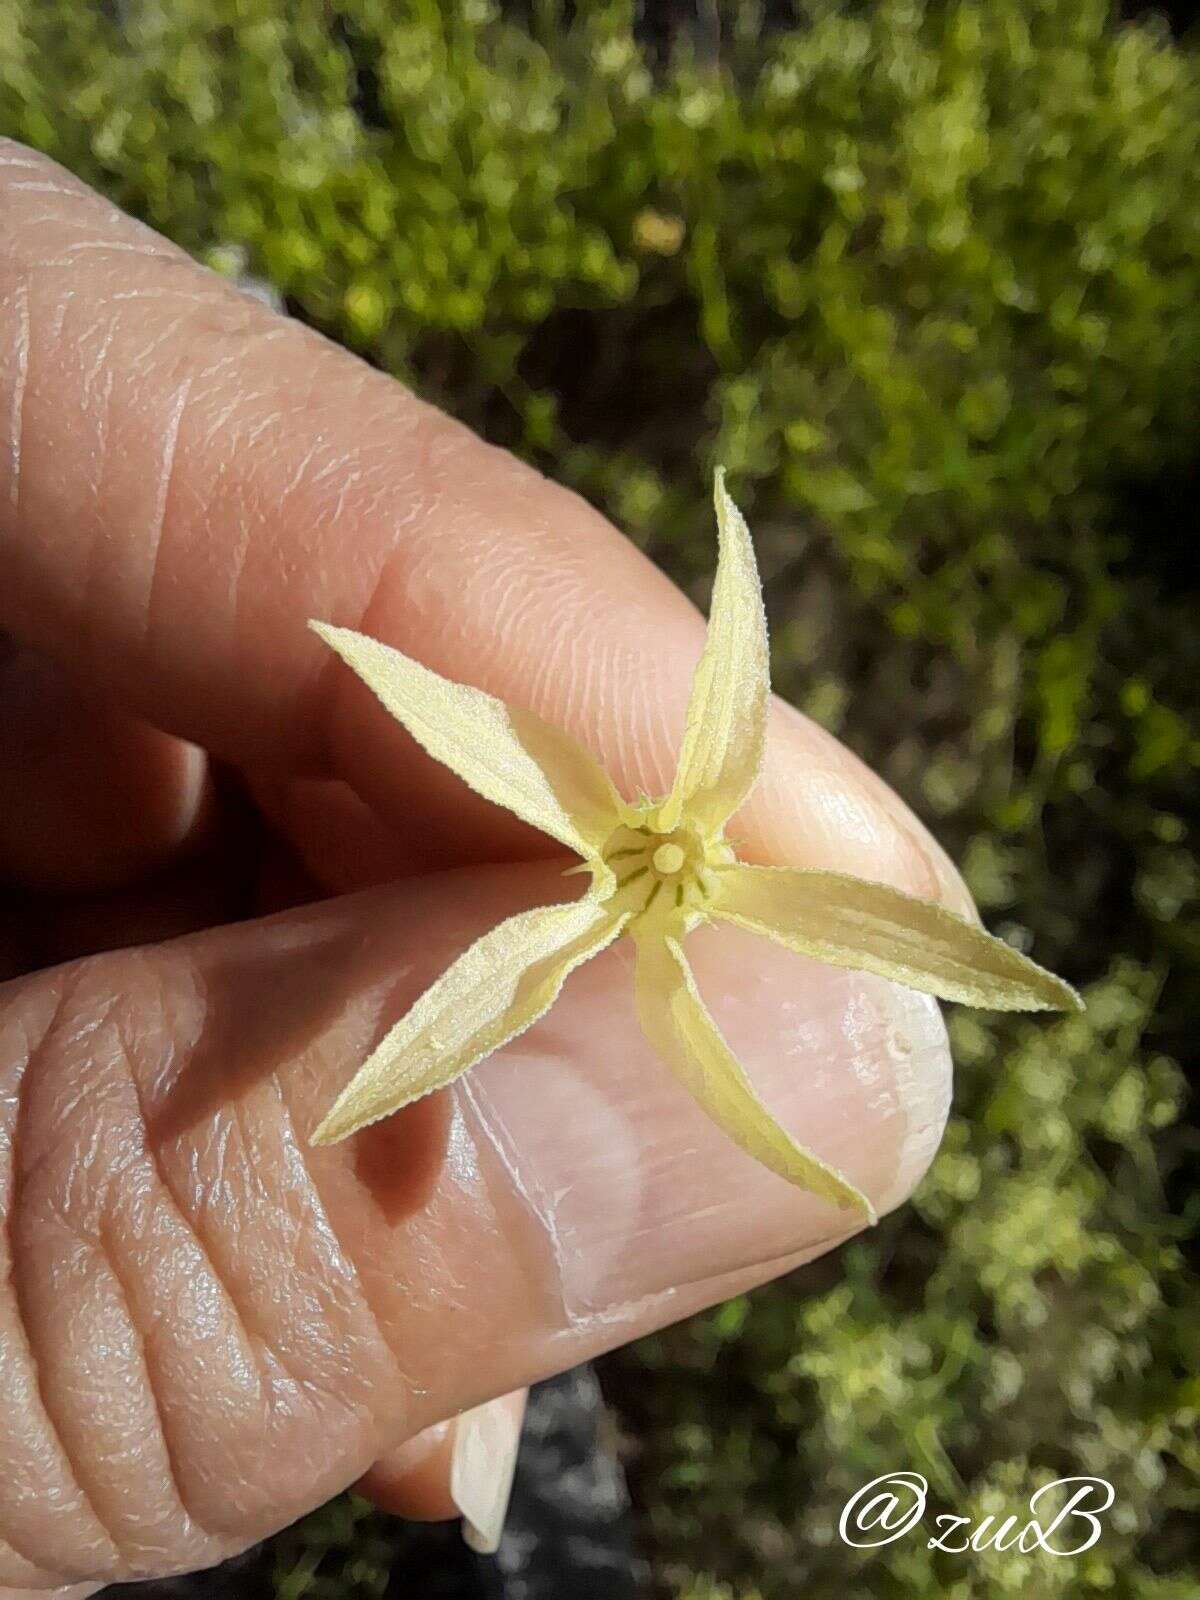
189,476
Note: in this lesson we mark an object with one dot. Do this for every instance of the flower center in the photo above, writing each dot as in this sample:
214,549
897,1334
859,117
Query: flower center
668,859
662,875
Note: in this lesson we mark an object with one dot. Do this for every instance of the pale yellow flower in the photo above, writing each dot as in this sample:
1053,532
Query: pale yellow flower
658,869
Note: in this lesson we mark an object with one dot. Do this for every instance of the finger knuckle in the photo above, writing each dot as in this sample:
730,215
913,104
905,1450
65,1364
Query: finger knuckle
184,1324
98,1496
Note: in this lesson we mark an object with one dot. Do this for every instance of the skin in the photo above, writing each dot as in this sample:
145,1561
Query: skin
206,1326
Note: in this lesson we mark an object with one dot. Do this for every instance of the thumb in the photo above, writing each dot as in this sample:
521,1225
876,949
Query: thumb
207,1326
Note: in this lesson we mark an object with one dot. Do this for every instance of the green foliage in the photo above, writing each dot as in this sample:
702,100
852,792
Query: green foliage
925,277
1032,1325
340,1549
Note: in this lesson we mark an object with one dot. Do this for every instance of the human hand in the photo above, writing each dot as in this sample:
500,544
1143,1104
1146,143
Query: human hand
208,1326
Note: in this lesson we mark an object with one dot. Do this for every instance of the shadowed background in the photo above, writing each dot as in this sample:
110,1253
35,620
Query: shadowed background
926,278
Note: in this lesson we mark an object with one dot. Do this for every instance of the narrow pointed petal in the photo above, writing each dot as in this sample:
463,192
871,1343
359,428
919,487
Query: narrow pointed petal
511,757
726,721
676,1021
852,923
497,989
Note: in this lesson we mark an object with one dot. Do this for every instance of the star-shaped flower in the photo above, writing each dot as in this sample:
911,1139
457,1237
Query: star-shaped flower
659,867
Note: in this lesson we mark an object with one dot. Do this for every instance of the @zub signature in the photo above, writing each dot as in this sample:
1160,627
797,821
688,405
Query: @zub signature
891,1506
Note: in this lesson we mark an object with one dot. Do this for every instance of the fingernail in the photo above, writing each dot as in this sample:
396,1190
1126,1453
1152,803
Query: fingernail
637,1191
484,1459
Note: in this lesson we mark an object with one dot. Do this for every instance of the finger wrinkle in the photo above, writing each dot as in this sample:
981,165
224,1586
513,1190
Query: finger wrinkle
307,471
276,1361
17,384
162,498
268,428
246,1224
55,1034
111,1256
346,480
256,332
514,602
652,733
620,723
238,1168
56,317
414,546
22,161
558,602
176,295
97,1163
21,1573
41,186
147,250
305,1177
98,373
261,1198
249,1342
99,1551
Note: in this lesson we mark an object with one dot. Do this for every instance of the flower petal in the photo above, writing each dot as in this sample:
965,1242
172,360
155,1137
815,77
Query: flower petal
511,757
726,720
494,991
676,1021
853,923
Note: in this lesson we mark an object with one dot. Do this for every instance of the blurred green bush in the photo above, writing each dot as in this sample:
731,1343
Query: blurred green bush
926,277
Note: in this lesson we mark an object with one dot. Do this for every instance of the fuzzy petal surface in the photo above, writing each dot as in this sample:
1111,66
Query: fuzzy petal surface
852,923
676,1021
724,737
499,987
511,757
